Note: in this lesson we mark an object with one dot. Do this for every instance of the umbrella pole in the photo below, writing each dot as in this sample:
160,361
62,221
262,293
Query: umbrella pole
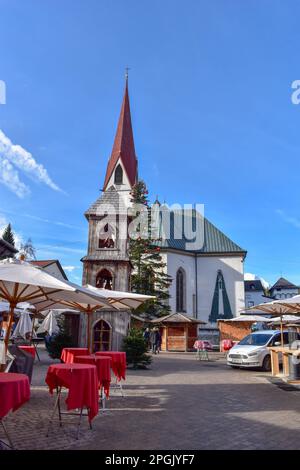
10,322
89,312
281,331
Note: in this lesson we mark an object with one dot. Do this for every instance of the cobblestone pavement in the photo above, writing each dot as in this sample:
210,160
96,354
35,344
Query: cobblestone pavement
180,403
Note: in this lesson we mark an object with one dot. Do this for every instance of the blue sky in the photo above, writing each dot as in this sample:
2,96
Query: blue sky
210,88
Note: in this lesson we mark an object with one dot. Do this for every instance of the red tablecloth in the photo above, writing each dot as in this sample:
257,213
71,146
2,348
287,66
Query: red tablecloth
82,382
226,344
203,345
28,349
14,392
118,362
68,354
102,364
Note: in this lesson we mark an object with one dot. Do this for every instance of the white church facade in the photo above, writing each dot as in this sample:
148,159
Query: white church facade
208,283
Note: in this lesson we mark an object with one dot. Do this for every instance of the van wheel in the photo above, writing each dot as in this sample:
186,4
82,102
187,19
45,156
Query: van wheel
266,365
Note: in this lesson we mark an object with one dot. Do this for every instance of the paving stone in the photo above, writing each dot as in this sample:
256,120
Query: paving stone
180,403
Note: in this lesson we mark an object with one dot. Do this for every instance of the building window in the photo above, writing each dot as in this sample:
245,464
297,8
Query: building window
101,336
107,237
119,175
180,290
104,279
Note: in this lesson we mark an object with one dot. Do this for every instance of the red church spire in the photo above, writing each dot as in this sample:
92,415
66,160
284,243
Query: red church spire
123,147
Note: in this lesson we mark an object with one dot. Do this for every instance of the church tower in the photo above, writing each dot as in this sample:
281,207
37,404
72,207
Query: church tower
107,263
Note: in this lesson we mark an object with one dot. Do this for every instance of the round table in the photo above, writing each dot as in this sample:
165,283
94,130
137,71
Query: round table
14,392
28,349
68,354
82,382
118,362
103,365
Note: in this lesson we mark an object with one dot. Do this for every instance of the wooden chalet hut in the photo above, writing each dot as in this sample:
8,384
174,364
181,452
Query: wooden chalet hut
179,332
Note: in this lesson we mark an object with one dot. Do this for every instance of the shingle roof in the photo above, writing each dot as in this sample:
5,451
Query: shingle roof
283,283
177,318
109,199
214,241
254,285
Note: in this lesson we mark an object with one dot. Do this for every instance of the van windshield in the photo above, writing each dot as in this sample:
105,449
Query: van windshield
256,340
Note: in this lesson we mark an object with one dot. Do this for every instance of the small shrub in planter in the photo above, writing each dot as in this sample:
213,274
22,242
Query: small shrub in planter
136,349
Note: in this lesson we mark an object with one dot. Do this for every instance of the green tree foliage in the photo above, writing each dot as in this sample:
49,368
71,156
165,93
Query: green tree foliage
59,341
8,235
136,349
149,273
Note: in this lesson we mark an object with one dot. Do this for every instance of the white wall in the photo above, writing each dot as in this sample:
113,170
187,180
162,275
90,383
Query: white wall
233,272
125,187
174,262
285,293
257,297
232,268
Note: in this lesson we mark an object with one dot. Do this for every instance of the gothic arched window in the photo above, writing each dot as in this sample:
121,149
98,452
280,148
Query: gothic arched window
119,175
180,290
104,279
107,237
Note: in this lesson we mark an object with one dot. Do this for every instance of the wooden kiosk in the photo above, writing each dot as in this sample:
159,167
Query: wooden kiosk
178,331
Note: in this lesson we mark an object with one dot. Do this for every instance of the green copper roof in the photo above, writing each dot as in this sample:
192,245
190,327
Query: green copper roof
215,241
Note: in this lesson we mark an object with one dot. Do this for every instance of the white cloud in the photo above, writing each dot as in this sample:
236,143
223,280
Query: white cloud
13,158
254,277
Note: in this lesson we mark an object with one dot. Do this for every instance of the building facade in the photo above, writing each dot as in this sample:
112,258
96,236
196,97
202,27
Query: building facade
254,293
283,289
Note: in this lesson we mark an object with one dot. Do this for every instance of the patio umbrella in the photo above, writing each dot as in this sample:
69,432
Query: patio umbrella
276,308
49,324
254,318
119,299
22,282
24,326
84,300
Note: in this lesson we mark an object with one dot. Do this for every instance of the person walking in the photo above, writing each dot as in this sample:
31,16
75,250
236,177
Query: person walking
153,340
147,336
157,340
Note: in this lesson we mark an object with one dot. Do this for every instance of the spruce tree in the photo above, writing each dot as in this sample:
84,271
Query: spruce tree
8,235
149,276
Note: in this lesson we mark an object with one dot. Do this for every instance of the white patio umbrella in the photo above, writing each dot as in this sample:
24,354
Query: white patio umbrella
254,318
292,302
22,282
287,319
24,326
119,299
276,308
49,324
84,300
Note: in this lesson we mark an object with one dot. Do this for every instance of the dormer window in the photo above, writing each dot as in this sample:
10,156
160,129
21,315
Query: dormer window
119,175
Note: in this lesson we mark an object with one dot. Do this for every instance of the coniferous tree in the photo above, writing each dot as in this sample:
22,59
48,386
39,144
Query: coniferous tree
149,274
8,235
